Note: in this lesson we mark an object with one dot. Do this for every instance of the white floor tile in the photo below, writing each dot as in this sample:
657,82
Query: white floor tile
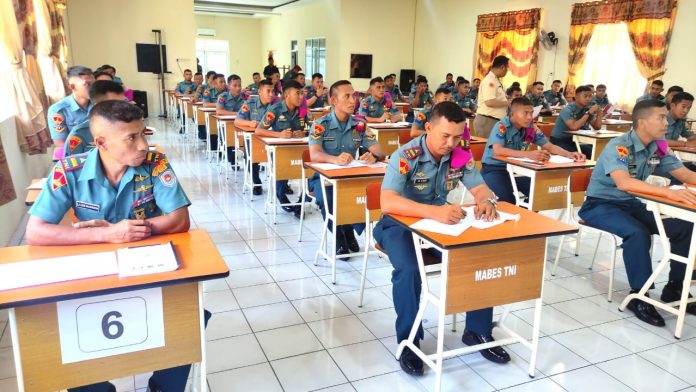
220,301
373,299
641,375
234,352
308,372
272,316
338,388
8,385
552,357
362,360
512,373
248,277
589,378
457,376
380,322
261,376
346,281
554,292
674,359
304,288
542,385
245,260
586,312
226,324
277,257
266,244
290,271
320,308
215,285
288,341
341,331
631,335
591,345
262,294
552,320
395,381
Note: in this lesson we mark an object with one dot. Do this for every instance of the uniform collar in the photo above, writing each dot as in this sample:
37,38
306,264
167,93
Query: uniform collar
284,108
671,121
74,106
334,123
92,166
427,156
638,144
507,123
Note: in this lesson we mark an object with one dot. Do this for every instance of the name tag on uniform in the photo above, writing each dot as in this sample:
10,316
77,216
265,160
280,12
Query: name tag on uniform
356,140
454,175
422,180
87,206
654,161
329,139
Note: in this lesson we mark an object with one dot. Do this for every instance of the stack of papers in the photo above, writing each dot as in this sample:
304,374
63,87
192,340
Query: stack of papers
552,159
390,125
282,139
352,164
147,259
469,221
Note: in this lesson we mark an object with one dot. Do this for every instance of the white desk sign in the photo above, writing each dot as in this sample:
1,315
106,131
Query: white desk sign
113,324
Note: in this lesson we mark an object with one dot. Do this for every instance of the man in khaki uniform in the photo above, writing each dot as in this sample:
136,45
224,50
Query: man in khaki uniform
492,101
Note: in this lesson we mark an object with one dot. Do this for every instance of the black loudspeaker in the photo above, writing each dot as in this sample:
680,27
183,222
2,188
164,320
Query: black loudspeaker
140,98
406,78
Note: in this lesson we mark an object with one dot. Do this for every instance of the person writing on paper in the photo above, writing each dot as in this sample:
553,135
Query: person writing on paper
442,94
285,119
120,192
335,138
419,176
514,136
622,167
376,107
575,116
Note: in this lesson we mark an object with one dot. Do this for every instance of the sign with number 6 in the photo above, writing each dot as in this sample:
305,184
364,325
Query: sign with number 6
113,324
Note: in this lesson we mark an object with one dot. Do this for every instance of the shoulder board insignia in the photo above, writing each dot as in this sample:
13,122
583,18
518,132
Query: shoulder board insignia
73,142
413,152
403,166
74,162
153,157
59,180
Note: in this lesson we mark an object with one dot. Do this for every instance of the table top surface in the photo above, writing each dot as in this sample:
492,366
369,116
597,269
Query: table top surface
530,225
664,200
198,257
596,135
684,149
350,172
546,166
283,142
225,117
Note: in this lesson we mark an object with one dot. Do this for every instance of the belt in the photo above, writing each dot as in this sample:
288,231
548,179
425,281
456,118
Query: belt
485,115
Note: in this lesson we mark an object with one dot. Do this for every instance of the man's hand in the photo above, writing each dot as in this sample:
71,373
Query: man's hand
286,133
593,109
344,159
576,156
321,92
127,230
368,157
384,118
485,211
539,155
91,223
691,143
298,134
682,195
253,124
449,214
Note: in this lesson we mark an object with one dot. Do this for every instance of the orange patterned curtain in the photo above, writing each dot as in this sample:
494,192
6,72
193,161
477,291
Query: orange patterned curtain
511,34
649,23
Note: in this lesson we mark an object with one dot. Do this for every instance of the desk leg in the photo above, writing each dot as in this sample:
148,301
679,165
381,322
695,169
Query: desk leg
15,350
203,366
329,216
439,359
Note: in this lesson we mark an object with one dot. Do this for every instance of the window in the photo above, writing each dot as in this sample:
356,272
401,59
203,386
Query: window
315,56
610,61
214,54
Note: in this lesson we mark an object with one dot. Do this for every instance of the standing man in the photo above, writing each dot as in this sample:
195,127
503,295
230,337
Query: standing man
623,167
254,87
119,192
377,108
315,94
554,96
492,101
574,116
71,111
449,83
270,69
335,138
419,176
249,116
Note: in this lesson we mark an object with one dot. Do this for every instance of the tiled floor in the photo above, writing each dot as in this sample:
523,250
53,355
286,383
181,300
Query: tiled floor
280,325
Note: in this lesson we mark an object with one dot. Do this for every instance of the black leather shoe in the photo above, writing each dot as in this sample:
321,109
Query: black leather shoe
645,312
153,387
350,239
411,363
672,292
288,190
341,245
258,191
493,354
285,200
298,212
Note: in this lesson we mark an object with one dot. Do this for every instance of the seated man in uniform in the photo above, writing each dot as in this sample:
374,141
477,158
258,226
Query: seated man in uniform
622,167
463,99
448,83
600,98
315,94
197,81
679,108
198,97
228,104
420,97
71,111
418,127
211,94
512,137
335,138
392,88
377,108
656,89
80,139
249,116
254,87
536,97
574,116
187,86
284,120
119,192
419,176
475,84
554,96
671,92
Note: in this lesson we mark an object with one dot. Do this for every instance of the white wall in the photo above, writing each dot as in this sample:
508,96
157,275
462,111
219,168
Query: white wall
106,31
23,169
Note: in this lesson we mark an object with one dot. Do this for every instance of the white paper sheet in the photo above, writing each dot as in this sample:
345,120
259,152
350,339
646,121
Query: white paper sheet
230,117
615,122
482,224
57,269
38,184
560,159
389,125
145,260
284,139
681,187
469,221
536,111
524,159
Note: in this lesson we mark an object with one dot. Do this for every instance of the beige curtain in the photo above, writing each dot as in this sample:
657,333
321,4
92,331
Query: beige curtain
7,190
48,51
30,116
26,23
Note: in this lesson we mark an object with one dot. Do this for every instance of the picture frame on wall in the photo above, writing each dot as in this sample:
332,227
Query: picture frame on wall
361,66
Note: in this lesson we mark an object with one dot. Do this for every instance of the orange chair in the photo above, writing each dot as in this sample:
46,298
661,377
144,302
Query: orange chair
305,193
546,128
404,136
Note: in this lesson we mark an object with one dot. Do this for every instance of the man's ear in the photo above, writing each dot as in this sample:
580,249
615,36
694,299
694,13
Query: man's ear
100,143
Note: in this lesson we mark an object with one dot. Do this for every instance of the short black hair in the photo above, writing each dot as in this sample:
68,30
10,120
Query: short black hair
336,85
537,83
291,84
582,89
378,79
209,74
265,82
101,87
116,111
475,79
98,74
640,111
521,101
515,84
255,73
675,89
218,76
512,89
233,77
198,73
462,81
442,90
500,61
590,85
682,96
601,86
449,74
449,110
107,66
658,82
187,70
390,76
299,73
557,81
317,75
78,70
421,79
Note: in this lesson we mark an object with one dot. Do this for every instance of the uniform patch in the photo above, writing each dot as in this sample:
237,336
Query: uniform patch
403,166
421,116
59,128
470,165
161,166
622,151
87,206
57,119
139,213
59,180
74,162
221,99
245,108
501,130
413,152
73,142
206,92
364,105
267,119
491,84
168,178
360,126
153,157
318,130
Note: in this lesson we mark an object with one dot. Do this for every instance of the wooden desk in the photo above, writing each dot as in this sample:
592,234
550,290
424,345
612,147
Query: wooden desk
404,107
210,129
598,140
387,136
198,113
256,153
349,193
548,118
617,125
319,112
228,139
685,153
549,182
34,320
498,266
664,207
284,163
478,140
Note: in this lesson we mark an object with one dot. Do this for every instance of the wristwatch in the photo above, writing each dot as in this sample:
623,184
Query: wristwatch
493,199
